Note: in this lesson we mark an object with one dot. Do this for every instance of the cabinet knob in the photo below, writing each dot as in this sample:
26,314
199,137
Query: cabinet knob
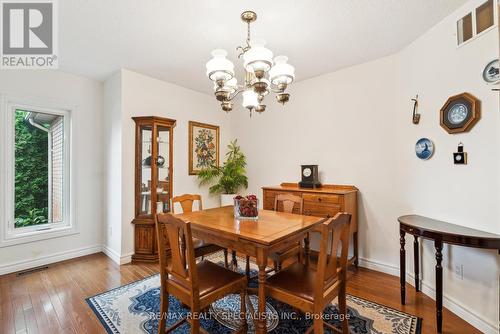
319,199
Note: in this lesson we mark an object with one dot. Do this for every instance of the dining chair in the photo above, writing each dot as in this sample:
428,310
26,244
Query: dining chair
201,248
284,203
196,285
287,203
312,290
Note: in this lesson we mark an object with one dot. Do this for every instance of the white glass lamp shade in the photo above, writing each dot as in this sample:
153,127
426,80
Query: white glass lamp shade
281,72
250,99
230,85
219,67
258,58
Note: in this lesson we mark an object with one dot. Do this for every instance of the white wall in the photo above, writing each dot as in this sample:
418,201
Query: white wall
356,124
435,68
145,96
55,89
112,139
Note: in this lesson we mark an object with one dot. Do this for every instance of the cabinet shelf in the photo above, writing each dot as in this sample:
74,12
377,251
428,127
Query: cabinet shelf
158,142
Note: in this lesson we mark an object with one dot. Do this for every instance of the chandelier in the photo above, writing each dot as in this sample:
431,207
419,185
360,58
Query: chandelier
262,74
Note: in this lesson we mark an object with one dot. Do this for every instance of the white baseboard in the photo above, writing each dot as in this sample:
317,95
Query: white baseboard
48,259
117,258
379,266
476,320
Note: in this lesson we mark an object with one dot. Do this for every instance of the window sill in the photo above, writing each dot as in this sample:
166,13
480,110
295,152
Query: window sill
34,235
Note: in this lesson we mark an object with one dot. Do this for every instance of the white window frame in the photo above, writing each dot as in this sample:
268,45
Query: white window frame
472,10
9,235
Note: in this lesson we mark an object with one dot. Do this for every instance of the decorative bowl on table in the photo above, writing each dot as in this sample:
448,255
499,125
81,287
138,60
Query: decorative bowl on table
246,207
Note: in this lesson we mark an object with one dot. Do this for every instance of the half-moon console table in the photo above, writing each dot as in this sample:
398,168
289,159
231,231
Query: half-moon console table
441,232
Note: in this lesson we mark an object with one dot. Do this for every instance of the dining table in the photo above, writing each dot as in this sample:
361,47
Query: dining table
270,232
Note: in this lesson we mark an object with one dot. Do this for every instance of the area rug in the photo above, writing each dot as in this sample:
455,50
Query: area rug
134,308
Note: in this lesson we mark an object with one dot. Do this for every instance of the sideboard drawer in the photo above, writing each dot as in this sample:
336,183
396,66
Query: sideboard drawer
320,210
321,199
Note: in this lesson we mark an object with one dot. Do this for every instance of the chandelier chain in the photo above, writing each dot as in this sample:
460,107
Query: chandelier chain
248,34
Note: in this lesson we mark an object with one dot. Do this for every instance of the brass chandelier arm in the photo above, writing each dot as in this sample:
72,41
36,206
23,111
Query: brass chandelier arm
238,92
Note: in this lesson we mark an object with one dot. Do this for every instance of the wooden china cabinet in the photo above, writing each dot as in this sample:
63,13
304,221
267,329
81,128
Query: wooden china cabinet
153,181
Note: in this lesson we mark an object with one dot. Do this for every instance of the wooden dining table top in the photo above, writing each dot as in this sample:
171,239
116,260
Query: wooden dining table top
271,226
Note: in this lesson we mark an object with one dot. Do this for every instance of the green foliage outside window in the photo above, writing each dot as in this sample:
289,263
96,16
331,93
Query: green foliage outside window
31,173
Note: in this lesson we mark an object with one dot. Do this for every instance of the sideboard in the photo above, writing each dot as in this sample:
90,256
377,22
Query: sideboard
326,202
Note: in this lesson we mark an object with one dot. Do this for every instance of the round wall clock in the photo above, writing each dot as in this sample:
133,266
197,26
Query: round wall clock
424,148
460,113
491,72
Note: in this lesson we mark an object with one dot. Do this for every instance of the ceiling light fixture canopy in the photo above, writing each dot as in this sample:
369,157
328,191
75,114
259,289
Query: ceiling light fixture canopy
263,74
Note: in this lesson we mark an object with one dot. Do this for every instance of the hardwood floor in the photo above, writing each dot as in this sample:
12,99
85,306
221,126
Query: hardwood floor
53,300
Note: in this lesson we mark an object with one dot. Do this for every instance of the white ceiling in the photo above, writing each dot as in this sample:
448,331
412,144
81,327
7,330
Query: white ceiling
172,40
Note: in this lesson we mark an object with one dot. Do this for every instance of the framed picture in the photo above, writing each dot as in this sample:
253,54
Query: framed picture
203,146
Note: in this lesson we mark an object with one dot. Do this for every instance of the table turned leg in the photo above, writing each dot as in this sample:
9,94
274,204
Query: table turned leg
307,250
416,263
234,261
402,265
261,316
438,244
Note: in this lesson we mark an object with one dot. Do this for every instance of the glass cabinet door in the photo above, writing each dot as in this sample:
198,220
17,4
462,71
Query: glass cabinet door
163,170
145,205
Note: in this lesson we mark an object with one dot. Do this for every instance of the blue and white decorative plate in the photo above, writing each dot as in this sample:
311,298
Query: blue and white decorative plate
491,72
424,148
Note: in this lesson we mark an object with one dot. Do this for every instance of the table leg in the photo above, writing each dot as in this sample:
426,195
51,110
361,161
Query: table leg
307,250
416,263
234,261
438,244
402,265
261,316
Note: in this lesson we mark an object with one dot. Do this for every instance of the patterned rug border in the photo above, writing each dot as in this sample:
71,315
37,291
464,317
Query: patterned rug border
96,308
111,329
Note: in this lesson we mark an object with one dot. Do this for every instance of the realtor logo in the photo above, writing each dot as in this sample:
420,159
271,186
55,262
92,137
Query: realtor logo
28,34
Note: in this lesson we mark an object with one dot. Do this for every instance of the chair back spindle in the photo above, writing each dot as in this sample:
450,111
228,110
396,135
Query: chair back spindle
289,202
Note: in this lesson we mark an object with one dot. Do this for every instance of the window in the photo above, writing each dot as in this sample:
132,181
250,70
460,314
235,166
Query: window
37,164
464,28
484,16
476,22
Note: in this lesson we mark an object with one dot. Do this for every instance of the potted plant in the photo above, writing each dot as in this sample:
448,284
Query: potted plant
229,177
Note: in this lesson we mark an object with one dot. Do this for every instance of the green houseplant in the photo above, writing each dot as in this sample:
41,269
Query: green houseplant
227,179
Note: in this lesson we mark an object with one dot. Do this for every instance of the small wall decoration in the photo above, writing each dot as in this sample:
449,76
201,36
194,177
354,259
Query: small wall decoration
491,72
203,146
460,113
424,148
460,157
416,115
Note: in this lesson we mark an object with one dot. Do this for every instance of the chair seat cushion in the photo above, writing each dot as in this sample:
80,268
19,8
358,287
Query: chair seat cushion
212,277
297,279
